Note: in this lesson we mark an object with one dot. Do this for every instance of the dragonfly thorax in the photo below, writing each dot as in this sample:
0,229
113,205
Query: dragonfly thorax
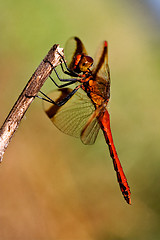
97,89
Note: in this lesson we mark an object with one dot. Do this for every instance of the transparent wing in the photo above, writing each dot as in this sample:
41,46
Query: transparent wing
101,68
90,131
72,117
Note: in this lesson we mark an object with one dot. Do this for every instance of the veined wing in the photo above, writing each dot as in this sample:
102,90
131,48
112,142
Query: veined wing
91,128
72,117
101,68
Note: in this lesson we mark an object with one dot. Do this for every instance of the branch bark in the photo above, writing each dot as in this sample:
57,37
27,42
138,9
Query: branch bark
31,89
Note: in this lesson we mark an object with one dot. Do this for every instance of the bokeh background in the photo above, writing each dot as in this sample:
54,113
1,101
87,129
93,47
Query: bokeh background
51,185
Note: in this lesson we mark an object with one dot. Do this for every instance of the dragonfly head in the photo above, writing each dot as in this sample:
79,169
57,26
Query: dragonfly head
83,63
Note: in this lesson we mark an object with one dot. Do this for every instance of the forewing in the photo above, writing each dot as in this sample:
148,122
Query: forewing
73,115
101,68
74,46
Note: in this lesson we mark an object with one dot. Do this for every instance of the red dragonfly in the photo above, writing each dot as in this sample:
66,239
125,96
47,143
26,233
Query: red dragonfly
82,111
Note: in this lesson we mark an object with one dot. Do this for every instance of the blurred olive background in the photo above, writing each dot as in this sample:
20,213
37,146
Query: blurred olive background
51,185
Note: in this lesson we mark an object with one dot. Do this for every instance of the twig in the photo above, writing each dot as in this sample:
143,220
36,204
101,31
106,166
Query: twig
31,89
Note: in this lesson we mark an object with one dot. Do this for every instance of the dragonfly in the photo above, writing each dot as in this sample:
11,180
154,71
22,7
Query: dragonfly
82,111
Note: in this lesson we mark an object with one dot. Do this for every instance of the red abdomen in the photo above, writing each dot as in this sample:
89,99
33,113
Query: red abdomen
104,122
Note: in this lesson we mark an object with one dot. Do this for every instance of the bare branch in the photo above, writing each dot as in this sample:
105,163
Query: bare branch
31,89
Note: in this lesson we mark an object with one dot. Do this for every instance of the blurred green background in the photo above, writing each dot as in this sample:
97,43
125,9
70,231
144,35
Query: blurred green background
51,185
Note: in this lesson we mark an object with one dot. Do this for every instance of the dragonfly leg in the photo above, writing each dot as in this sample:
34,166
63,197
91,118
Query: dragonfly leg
63,85
47,99
67,79
63,101
69,71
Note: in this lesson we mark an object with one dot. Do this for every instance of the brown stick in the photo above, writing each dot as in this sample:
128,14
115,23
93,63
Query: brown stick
31,89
